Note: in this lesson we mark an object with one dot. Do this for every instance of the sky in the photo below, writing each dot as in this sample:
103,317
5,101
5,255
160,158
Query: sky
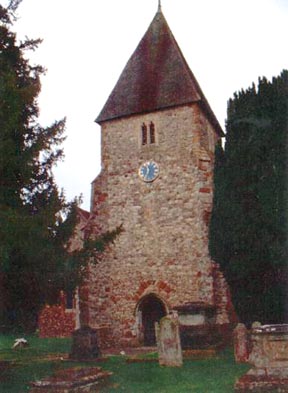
228,44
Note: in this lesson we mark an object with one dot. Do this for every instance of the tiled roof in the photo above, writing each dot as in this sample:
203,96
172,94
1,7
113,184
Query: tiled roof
156,77
84,213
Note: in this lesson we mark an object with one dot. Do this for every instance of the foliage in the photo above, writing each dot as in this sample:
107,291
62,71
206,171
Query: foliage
248,230
90,253
33,232
215,375
36,220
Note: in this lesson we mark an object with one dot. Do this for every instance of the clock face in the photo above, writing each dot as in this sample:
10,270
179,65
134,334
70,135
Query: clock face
149,171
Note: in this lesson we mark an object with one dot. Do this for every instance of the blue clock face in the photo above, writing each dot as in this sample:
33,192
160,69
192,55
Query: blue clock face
149,171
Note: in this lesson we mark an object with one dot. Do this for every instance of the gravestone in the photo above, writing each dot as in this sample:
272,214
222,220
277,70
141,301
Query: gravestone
85,344
241,343
168,342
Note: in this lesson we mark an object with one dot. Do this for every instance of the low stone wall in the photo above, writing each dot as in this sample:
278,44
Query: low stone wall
55,321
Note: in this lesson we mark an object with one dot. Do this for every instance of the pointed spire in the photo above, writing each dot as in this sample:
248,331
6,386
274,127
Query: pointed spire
156,77
159,6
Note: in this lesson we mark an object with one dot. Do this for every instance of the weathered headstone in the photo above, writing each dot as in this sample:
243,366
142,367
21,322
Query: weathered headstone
168,342
241,343
85,344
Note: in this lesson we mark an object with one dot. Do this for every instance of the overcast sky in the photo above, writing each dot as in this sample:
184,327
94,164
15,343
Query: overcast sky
228,44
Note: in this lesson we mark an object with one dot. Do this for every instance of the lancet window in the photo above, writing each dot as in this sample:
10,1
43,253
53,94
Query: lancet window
152,132
148,136
144,134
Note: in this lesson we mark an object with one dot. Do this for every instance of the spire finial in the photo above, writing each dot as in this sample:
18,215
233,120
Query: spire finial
159,6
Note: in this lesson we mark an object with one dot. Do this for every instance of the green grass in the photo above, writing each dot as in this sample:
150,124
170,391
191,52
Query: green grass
31,363
38,348
216,375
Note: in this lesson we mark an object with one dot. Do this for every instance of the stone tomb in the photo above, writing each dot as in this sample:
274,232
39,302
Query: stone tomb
197,325
269,357
168,342
75,380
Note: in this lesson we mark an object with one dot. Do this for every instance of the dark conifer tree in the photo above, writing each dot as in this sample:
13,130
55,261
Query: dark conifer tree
249,223
32,232
34,261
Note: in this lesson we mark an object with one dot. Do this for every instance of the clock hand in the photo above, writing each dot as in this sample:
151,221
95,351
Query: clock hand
148,171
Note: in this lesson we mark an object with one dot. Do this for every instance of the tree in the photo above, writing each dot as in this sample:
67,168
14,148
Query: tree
36,220
248,229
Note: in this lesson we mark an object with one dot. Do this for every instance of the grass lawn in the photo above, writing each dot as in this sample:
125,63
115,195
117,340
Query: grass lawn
43,357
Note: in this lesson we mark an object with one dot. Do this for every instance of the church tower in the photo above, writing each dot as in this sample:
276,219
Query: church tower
158,138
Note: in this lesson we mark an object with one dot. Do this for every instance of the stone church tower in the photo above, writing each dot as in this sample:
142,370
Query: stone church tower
158,137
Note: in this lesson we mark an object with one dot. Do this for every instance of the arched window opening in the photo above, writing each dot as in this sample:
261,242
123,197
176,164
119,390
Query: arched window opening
152,132
70,299
144,134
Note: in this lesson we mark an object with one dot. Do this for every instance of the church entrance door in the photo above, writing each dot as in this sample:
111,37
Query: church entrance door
152,310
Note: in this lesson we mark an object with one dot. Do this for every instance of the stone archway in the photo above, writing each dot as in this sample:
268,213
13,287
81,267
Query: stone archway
151,309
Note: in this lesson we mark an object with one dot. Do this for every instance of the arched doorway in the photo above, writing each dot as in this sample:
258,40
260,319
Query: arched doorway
151,309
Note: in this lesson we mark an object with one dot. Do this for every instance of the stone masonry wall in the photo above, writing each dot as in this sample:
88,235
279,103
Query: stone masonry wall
57,320
164,247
